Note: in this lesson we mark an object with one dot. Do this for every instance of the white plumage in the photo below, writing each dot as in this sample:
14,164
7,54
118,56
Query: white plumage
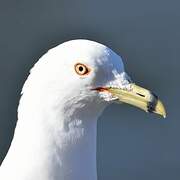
55,137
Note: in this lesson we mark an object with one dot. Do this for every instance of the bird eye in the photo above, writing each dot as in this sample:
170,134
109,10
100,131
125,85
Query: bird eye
81,69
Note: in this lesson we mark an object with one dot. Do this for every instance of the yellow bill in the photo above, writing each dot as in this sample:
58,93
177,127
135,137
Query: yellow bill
139,97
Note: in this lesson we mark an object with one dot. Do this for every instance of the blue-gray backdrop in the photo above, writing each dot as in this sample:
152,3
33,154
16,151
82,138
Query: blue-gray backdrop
131,144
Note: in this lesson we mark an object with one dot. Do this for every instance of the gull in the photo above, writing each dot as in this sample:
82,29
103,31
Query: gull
62,98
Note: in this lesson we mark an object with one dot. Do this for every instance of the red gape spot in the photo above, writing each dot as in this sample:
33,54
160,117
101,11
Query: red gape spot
101,89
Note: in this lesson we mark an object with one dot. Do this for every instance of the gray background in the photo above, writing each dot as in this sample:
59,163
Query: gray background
131,144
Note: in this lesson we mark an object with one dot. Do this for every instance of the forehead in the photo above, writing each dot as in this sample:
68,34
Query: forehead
90,53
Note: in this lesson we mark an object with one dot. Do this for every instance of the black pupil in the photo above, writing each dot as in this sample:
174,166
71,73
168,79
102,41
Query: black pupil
81,68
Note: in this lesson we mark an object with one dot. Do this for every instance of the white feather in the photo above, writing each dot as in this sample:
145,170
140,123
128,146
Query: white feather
55,137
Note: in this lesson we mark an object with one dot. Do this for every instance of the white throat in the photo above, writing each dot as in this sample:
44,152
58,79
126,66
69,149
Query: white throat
53,144
55,137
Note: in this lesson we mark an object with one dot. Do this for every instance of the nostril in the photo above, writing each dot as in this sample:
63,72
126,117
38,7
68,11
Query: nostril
140,94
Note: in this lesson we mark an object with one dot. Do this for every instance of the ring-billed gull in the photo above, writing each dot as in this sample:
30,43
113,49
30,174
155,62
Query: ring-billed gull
66,91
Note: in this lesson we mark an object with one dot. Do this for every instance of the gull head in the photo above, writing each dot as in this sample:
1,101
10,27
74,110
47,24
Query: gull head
66,91
85,76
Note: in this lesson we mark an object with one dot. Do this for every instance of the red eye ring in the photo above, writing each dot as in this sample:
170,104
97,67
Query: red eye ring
81,69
